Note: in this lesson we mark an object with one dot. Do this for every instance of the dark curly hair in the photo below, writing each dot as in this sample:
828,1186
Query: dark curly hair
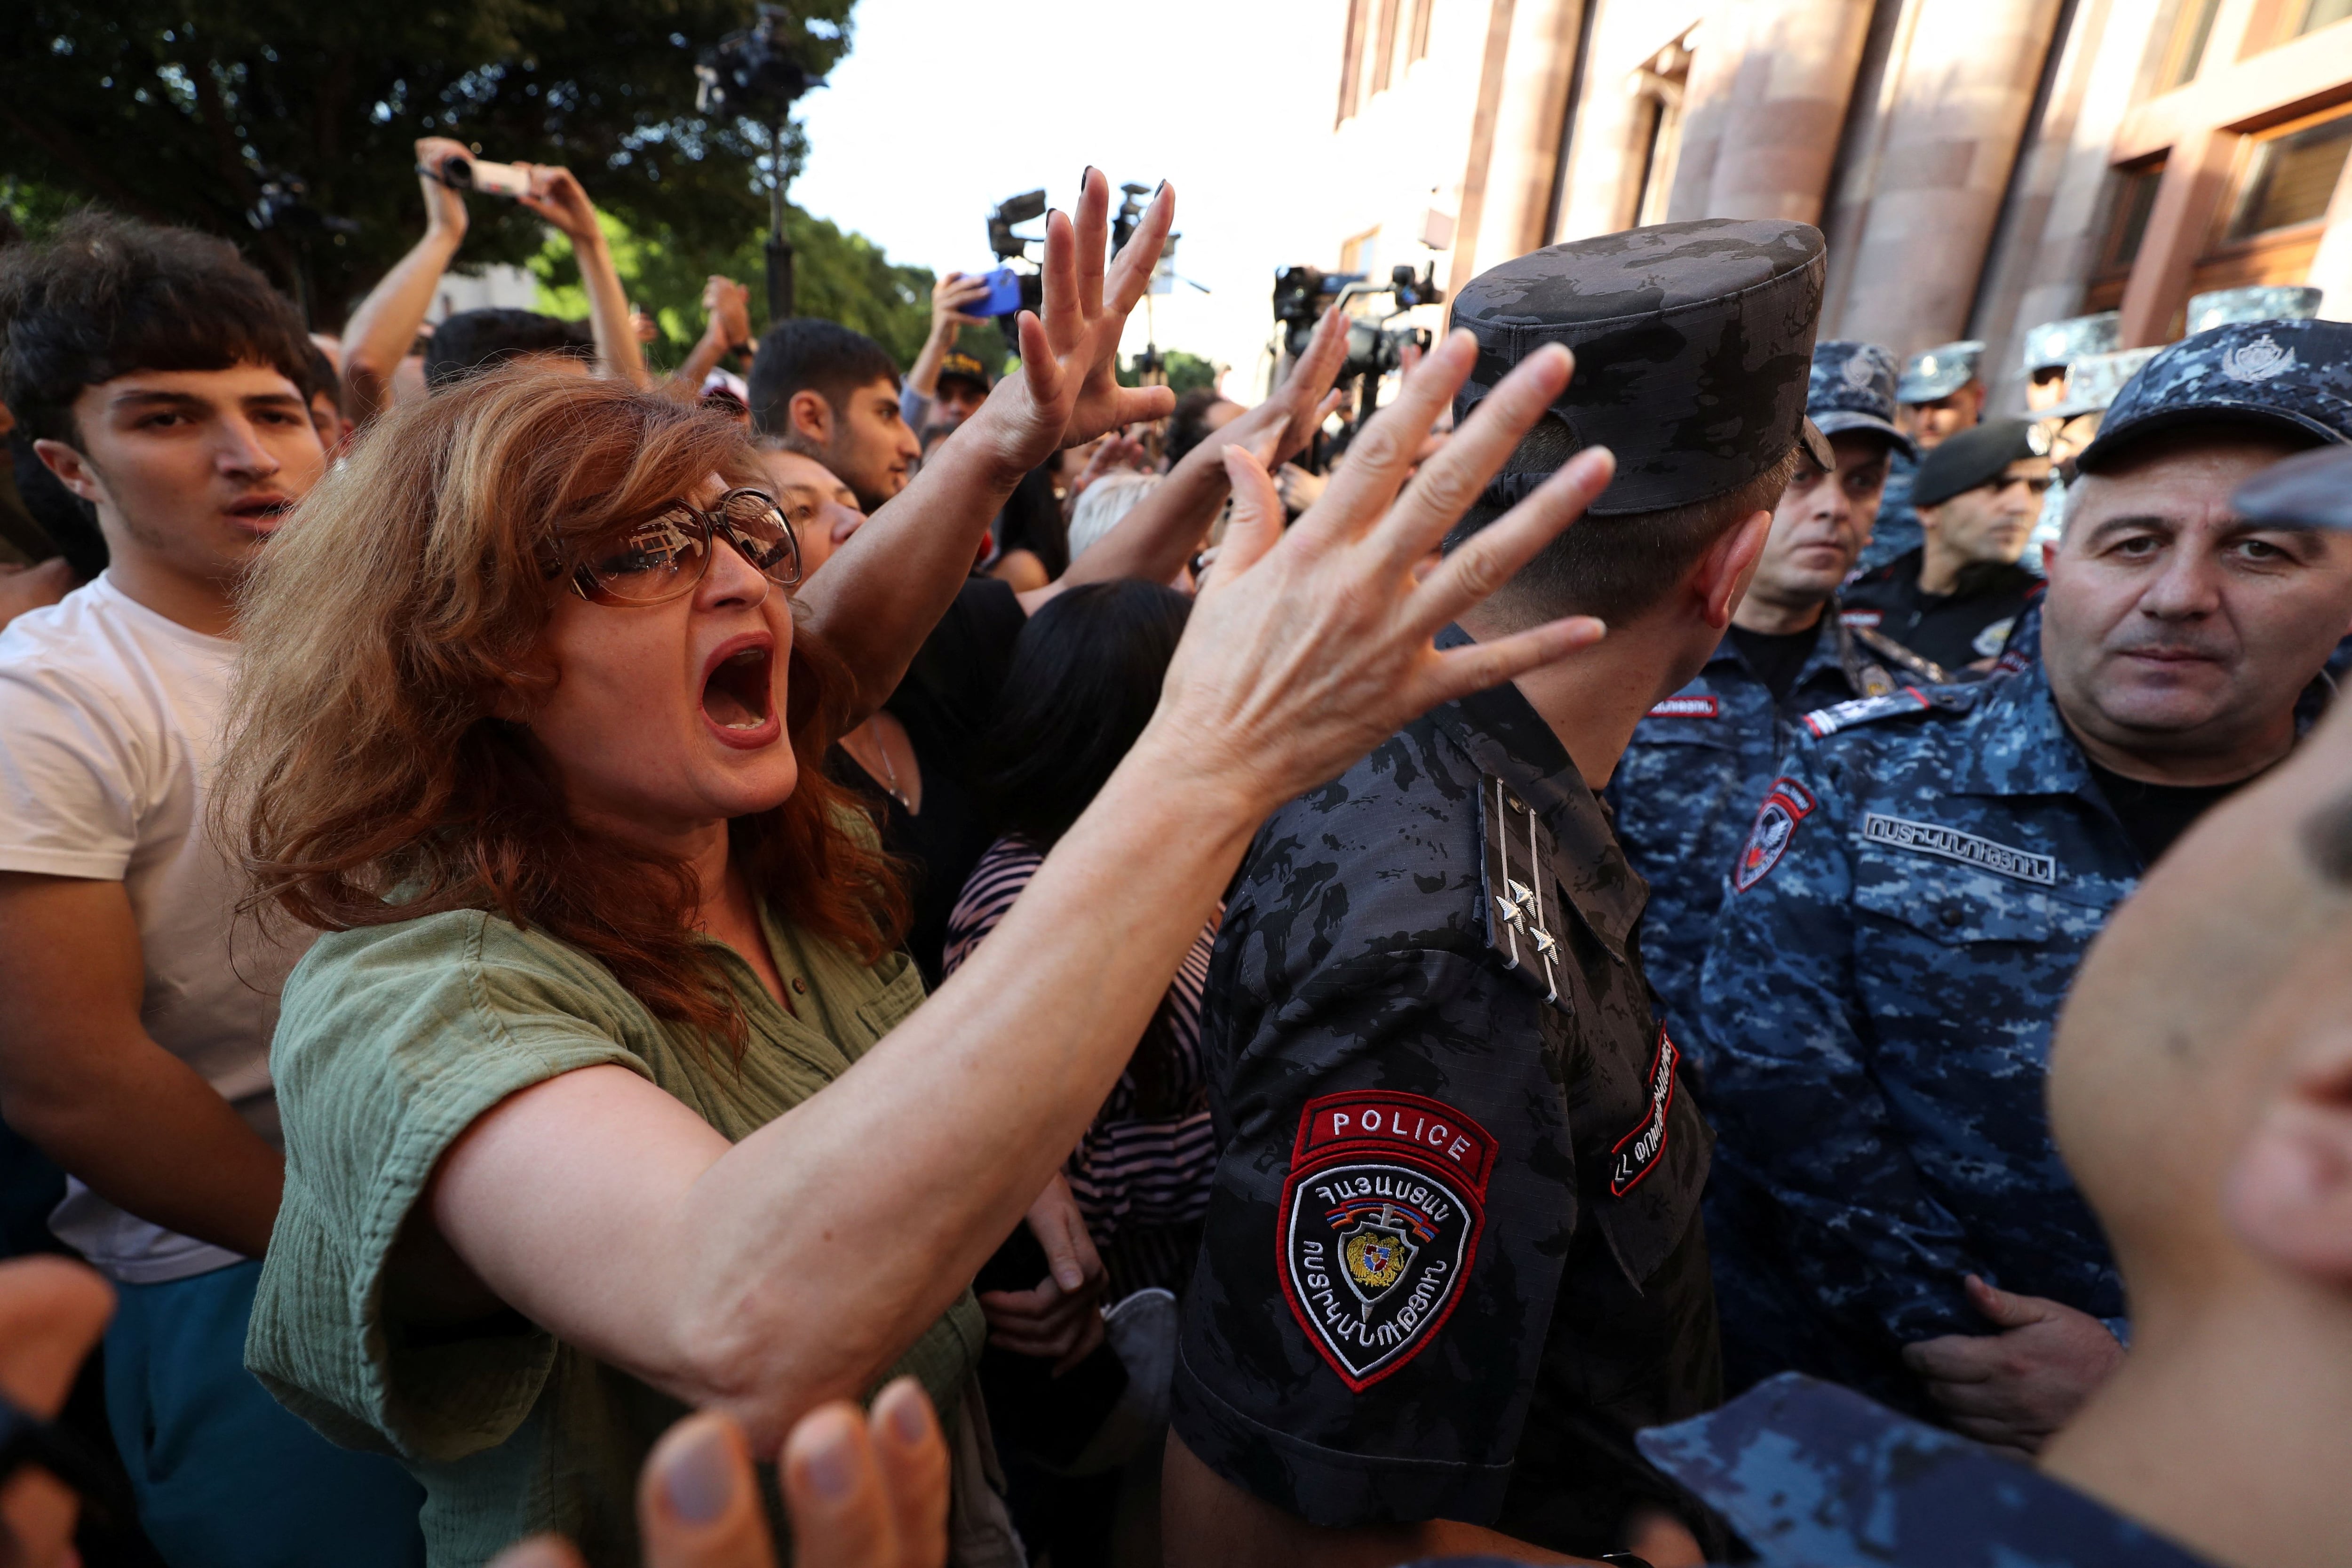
108,295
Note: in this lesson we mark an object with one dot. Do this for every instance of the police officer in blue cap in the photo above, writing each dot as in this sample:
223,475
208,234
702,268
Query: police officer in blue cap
1923,877
1699,761
1941,394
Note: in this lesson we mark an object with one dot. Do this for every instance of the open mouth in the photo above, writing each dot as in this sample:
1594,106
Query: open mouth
262,510
737,695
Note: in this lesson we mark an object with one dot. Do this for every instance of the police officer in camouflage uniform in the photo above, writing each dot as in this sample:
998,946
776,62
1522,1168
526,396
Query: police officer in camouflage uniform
1454,1256
1699,762
1924,877
1940,396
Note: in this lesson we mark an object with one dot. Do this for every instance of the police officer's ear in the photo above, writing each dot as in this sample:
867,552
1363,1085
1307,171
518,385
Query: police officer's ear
2289,1196
1721,577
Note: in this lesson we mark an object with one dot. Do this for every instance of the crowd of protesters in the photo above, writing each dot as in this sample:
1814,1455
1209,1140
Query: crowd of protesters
1743,959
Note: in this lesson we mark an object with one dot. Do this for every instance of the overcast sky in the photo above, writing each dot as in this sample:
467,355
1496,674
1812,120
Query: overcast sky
942,111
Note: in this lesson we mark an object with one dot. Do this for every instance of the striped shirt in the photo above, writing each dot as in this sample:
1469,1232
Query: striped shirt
1145,1163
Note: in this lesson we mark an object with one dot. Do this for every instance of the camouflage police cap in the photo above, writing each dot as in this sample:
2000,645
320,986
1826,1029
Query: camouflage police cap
2091,384
1693,342
2256,302
2310,490
1937,373
2054,345
2295,377
1852,388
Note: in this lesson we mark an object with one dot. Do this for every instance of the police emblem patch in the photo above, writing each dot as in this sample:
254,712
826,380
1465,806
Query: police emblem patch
1786,803
2258,361
1378,1226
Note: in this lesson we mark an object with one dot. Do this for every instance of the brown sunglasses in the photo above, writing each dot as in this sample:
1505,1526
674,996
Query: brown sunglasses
669,552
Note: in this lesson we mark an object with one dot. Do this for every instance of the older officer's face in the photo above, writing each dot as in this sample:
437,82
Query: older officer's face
2177,636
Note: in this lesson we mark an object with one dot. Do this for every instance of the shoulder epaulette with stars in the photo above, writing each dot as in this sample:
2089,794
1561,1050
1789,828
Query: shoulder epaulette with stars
1523,915
1910,699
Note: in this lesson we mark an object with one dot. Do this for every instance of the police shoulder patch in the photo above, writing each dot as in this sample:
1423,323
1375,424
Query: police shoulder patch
1380,1222
1786,803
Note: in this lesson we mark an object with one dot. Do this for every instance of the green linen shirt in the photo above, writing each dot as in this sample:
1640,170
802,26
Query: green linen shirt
391,1042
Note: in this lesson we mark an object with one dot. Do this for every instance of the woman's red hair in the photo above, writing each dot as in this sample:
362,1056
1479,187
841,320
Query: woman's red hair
368,779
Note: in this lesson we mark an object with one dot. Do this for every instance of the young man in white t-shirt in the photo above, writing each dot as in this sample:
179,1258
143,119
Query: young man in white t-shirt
159,376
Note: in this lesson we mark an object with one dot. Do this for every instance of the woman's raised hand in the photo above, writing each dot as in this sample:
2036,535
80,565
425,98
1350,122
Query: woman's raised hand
1308,648
1068,390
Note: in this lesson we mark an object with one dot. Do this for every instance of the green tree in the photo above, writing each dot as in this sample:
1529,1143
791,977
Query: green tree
183,110
841,275
1185,372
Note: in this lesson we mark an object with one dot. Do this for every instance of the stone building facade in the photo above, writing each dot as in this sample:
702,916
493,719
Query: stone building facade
1978,166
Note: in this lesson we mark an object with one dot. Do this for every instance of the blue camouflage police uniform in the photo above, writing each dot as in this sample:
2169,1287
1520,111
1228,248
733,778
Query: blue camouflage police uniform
1918,886
1927,377
1697,763
1915,893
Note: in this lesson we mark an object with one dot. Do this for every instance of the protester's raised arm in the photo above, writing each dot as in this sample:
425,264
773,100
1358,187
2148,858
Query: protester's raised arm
557,196
1167,527
881,596
727,326
609,1212
379,331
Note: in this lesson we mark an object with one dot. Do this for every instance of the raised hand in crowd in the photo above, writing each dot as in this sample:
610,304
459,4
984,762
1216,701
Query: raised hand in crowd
892,582
725,330
1167,527
952,297
863,1490
380,330
557,196
1061,1318
2015,1387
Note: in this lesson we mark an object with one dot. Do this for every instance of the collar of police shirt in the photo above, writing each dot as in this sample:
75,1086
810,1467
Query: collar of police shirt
1505,736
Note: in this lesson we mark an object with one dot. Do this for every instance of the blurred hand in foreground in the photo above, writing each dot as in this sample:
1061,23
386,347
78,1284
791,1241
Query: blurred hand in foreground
865,1489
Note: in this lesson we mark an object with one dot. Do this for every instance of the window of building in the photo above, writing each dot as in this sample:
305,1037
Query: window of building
2276,205
1384,45
1420,9
1358,251
2289,178
2131,201
2318,14
1659,84
1351,61
2184,49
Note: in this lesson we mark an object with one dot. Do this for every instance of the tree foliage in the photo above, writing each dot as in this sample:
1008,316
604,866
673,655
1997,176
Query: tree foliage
183,111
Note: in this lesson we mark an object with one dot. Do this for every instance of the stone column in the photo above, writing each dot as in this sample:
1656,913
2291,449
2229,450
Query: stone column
1771,108
1918,213
1540,58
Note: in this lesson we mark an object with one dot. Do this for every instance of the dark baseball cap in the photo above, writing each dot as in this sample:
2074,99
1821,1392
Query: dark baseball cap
963,366
2292,377
1978,455
2310,490
1852,388
1693,348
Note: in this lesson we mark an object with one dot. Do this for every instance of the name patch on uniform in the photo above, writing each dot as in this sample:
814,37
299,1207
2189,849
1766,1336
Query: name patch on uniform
1861,618
1685,708
1635,1155
1378,1226
1786,803
1951,844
